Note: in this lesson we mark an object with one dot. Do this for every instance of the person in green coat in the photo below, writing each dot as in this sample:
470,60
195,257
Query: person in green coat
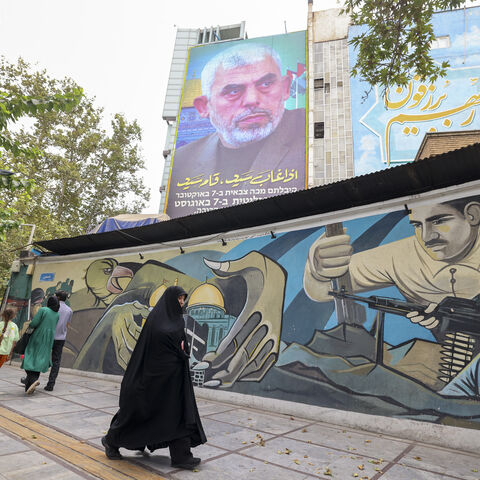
38,354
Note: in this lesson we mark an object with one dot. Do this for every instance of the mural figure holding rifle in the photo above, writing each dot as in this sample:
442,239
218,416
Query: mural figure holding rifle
437,270
441,259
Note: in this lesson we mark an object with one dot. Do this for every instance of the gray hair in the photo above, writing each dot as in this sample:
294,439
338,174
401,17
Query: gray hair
237,56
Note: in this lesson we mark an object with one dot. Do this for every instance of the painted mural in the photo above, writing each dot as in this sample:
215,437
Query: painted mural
390,129
379,314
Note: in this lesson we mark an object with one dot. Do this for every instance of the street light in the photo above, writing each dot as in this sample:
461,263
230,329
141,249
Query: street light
6,173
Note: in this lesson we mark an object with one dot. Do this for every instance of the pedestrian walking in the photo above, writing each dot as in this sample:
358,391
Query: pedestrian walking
8,334
38,354
64,318
157,401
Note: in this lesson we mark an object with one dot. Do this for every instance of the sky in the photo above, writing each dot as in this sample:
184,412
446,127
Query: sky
120,51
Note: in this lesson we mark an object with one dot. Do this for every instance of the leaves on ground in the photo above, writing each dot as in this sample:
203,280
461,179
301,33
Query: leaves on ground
259,440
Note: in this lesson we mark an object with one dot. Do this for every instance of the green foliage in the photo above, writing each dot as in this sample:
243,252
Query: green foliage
396,41
88,168
9,218
13,106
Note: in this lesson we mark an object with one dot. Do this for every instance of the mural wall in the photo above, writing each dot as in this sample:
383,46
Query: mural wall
390,130
379,314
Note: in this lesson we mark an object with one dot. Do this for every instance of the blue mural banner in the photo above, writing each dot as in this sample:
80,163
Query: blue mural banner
389,129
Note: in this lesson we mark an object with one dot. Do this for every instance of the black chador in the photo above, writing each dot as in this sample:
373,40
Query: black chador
157,401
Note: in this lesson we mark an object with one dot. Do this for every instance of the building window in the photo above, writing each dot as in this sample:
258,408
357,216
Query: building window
319,84
441,42
318,130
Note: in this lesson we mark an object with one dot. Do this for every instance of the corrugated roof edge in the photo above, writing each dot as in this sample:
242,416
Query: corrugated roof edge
452,168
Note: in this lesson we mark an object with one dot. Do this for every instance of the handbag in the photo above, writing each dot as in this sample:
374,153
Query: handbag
21,345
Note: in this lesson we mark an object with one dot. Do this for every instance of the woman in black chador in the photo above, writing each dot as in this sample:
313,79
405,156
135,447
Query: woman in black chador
157,401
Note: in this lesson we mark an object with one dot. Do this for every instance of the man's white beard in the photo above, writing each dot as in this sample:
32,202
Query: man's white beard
237,137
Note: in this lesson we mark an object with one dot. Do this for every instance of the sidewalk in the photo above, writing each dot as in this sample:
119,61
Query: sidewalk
56,436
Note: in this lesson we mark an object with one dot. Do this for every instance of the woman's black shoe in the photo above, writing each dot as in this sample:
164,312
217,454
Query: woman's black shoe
187,464
113,453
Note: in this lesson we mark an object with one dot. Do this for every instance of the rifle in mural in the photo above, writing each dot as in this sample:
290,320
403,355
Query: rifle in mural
459,321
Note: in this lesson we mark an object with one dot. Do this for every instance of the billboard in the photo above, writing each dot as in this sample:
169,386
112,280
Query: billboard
241,132
388,131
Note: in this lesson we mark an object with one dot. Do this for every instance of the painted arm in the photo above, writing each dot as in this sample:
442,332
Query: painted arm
251,347
332,257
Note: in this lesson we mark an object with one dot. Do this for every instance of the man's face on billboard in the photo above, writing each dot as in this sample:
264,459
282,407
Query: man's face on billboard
246,103
444,232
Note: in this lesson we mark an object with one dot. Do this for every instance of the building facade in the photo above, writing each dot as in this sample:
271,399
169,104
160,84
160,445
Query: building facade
330,119
350,133
185,39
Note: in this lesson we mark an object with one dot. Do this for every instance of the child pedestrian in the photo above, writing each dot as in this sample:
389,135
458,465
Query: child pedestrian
8,335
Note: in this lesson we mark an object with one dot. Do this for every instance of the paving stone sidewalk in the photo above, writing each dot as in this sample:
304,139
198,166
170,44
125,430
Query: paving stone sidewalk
242,442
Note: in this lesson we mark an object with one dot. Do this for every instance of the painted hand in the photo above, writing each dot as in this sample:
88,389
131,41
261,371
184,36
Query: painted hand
329,257
125,330
251,346
424,318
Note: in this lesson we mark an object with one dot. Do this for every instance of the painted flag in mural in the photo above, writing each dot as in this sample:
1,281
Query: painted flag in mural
197,336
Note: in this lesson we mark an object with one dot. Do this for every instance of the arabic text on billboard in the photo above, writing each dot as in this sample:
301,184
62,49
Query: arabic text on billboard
389,129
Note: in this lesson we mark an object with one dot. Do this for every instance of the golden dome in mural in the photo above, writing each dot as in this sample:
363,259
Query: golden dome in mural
206,294
157,294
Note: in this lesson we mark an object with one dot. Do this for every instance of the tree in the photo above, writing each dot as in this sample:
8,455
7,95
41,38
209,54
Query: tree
396,41
9,218
85,172
12,108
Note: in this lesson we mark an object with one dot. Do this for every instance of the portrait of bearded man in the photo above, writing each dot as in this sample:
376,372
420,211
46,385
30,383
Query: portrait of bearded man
243,97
